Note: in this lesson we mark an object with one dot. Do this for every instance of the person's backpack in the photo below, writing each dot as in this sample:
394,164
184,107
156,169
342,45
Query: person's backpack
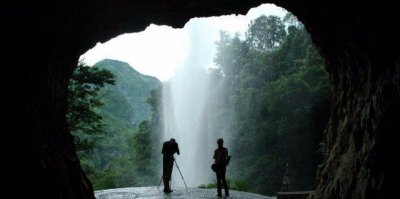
214,167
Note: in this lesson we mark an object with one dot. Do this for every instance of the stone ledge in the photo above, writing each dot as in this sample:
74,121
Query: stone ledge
179,193
293,195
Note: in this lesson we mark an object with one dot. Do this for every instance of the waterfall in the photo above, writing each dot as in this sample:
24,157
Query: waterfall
186,111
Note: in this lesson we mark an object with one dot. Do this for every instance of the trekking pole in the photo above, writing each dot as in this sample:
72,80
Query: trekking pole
176,164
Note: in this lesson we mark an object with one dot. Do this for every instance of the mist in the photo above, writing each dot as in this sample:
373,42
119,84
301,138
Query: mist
187,110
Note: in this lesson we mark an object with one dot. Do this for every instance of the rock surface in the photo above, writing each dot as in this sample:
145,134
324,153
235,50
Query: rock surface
358,40
178,193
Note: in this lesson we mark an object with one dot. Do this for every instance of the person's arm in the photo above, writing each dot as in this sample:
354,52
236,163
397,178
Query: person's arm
163,150
177,149
227,157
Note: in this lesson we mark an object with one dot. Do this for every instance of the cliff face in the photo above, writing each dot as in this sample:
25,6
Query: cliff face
358,41
362,57
365,79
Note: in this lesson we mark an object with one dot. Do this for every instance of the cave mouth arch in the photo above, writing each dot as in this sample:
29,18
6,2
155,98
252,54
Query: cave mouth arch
194,27
359,46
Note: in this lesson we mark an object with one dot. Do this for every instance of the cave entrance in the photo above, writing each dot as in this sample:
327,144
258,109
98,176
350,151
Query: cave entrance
356,38
255,80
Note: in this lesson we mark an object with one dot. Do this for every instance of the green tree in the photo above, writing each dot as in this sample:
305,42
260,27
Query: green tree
83,98
231,56
266,33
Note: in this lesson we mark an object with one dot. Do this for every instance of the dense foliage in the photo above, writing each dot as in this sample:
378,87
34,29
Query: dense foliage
83,98
102,118
278,92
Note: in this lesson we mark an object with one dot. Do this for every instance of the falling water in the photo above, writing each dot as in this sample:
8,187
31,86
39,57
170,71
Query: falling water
186,112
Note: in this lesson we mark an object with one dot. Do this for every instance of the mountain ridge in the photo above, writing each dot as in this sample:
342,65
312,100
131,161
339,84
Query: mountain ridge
132,85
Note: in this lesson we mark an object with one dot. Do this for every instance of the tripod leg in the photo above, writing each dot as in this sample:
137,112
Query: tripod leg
162,177
176,164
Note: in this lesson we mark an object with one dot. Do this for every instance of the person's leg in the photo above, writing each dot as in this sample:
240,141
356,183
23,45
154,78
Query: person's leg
165,178
219,179
169,173
223,172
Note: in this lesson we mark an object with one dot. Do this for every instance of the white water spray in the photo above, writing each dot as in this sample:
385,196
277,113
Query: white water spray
186,111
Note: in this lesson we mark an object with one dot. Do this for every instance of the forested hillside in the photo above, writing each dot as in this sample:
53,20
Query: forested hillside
278,95
115,150
133,86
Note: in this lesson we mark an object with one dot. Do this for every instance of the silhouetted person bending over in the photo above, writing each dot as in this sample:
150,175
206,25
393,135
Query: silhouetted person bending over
168,151
221,160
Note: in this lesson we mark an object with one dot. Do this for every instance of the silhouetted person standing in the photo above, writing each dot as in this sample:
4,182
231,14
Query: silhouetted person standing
221,160
168,151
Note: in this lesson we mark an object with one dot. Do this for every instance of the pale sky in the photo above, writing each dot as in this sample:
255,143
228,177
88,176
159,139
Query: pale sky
159,50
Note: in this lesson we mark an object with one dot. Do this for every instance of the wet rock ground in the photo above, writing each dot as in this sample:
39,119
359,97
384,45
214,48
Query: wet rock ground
178,193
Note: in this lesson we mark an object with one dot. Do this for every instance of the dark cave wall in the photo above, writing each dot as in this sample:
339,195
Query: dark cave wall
361,50
366,99
358,43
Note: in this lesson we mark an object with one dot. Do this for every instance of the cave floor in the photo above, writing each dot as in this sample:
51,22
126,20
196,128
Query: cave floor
178,193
